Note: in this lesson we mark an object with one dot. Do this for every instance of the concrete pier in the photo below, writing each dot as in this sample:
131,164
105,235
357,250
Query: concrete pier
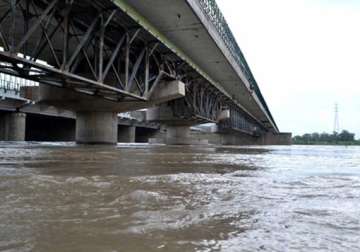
96,127
126,134
12,126
96,118
276,139
178,135
181,135
227,138
177,129
239,138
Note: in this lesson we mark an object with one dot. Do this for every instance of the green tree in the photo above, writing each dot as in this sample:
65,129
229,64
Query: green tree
345,137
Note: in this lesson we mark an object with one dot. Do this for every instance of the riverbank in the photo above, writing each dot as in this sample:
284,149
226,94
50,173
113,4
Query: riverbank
353,143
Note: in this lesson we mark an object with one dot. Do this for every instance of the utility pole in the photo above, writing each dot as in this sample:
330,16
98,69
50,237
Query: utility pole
336,119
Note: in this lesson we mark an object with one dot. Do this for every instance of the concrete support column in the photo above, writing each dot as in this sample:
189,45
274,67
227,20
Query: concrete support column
270,138
180,135
96,127
177,129
12,126
126,134
177,134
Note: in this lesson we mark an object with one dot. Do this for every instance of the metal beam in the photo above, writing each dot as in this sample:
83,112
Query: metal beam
33,28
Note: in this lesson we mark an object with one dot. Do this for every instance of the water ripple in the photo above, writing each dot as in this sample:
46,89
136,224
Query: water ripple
58,197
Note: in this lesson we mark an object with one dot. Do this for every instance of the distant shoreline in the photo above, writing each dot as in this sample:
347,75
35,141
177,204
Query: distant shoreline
344,138
355,143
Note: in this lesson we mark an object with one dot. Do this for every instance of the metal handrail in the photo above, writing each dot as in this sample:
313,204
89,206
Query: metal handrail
213,13
13,84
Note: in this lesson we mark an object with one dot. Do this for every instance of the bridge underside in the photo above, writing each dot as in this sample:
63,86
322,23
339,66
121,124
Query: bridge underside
96,49
197,30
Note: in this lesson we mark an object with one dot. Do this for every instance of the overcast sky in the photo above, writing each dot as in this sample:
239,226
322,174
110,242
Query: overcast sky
305,56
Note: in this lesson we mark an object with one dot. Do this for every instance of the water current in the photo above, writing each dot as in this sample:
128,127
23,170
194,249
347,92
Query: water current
63,197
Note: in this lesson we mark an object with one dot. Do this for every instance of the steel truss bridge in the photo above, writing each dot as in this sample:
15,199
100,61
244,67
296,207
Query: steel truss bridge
100,48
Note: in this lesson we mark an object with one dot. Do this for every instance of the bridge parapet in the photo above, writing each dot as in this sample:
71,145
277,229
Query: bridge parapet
215,16
10,86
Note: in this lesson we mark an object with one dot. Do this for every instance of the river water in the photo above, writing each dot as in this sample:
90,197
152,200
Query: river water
63,197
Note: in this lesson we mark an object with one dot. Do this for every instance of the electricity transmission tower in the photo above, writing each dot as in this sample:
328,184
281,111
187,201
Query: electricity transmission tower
336,119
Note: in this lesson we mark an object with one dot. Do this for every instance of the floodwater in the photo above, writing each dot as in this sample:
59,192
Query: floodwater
63,197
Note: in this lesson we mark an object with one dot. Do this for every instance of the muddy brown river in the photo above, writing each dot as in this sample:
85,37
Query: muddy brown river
63,197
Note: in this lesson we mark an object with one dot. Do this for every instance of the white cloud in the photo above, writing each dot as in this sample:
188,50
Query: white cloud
305,56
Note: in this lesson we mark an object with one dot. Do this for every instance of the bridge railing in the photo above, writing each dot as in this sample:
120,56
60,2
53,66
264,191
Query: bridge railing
213,13
10,85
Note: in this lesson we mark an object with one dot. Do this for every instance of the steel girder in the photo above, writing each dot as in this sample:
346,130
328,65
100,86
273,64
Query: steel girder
80,45
239,121
202,103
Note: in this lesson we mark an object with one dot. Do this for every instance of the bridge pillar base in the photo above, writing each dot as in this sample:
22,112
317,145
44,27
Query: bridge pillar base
96,127
12,126
126,134
276,138
180,135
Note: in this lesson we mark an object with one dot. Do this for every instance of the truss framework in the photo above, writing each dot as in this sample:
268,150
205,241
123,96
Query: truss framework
94,48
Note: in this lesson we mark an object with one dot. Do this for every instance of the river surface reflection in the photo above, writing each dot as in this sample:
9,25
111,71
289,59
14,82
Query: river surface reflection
63,197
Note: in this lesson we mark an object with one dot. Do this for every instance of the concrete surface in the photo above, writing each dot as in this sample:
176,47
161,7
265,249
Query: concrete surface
12,126
126,134
96,127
